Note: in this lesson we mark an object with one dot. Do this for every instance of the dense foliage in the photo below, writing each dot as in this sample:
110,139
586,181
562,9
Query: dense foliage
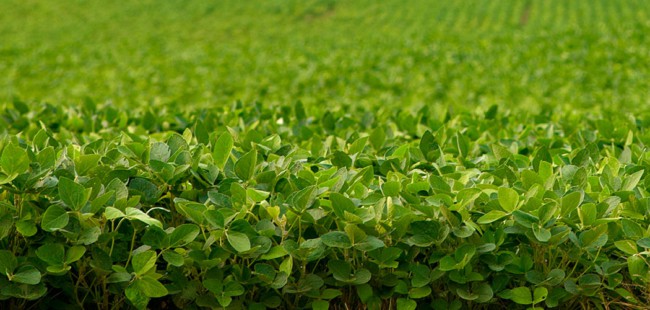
250,207
438,155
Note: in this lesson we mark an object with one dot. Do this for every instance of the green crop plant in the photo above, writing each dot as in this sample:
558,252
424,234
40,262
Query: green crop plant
239,210
324,154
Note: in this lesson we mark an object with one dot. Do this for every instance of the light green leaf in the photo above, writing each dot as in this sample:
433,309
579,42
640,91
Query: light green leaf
491,216
631,181
508,199
112,213
135,214
540,294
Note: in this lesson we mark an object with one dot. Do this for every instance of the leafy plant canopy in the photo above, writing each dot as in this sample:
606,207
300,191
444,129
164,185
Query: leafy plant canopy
399,182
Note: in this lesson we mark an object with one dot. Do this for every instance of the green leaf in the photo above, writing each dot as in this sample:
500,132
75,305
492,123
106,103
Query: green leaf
500,151
540,294
150,287
419,292
541,234
336,239
54,218
136,296
6,225
119,277
508,199
74,254
521,295
135,214
365,292
377,138
371,243
406,304
570,202
631,181
239,241
14,161
112,213
183,235
52,253
275,252
8,262
627,246
26,228
222,148
632,229
491,216
245,166
341,204
484,292
74,195
391,188
143,262
173,258
214,285
320,305
27,275
644,243
86,162
159,151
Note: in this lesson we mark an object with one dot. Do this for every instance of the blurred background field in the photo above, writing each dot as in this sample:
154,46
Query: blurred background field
395,54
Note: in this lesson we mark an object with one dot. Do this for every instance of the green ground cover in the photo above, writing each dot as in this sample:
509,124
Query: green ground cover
324,154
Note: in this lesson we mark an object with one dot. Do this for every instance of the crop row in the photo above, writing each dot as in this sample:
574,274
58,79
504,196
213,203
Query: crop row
253,207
